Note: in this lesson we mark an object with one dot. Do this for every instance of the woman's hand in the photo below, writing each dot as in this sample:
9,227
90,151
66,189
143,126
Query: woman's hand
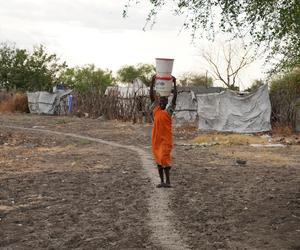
174,80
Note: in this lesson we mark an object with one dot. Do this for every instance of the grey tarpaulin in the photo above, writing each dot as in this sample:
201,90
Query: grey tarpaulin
186,107
46,103
229,111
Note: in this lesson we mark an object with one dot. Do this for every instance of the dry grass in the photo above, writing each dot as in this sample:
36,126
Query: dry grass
231,139
13,102
186,128
263,156
282,130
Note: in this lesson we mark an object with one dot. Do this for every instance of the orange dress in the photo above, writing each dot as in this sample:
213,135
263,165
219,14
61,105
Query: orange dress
162,137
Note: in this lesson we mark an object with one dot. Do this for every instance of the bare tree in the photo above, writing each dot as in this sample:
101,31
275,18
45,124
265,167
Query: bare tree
227,66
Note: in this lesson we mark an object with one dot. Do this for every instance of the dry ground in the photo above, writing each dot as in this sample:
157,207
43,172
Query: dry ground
62,193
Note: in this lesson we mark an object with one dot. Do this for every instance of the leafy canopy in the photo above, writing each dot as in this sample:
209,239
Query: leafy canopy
288,83
88,78
255,85
129,73
32,71
274,24
285,96
195,79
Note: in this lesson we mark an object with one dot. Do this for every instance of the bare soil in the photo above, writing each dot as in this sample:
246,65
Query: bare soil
64,193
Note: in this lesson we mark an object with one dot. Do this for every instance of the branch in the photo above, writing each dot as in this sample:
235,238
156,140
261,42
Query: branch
215,69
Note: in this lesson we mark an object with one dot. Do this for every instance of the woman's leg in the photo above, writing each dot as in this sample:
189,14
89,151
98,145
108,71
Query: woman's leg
167,173
161,176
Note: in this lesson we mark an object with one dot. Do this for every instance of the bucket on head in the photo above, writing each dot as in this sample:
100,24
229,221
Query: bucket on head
163,85
164,66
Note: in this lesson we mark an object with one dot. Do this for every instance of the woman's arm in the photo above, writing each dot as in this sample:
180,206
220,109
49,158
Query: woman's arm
174,93
172,106
152,96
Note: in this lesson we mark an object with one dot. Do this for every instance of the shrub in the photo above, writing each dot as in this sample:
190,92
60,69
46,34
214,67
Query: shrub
13,102
284,95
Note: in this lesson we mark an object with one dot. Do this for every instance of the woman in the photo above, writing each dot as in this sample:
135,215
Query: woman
162,136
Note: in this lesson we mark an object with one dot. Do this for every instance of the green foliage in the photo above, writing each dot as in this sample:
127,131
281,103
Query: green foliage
38,70
22,70
273,23
284,95
255,85
288,83
6,61
129,73
88,78
44,70
195,79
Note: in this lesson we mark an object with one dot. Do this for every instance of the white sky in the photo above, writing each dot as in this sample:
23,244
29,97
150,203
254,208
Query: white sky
94,31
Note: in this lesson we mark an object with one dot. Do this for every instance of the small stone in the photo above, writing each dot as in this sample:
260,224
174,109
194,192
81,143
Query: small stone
29,145
241,162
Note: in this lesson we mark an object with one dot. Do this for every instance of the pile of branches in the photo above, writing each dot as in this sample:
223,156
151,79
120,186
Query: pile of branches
112,106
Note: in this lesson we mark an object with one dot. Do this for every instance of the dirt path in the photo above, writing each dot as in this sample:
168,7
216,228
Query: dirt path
216,203
164,234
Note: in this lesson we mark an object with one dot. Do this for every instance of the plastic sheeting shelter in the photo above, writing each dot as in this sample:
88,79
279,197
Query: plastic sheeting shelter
187,106
229,111
48,103
137,88
226,111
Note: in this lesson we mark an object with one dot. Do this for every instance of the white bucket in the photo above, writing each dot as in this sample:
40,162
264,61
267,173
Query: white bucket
164,66
163,85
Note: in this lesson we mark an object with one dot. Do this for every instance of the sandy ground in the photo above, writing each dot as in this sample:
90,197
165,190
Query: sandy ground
65,193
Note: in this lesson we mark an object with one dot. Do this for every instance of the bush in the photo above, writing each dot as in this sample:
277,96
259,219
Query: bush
13,102
23,70
284,96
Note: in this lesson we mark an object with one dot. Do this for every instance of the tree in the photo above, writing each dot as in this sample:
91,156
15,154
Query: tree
22,70
43,70
129,73
195,79
19,72
7,57
255,85
226,65
88,78
272,23
285,96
